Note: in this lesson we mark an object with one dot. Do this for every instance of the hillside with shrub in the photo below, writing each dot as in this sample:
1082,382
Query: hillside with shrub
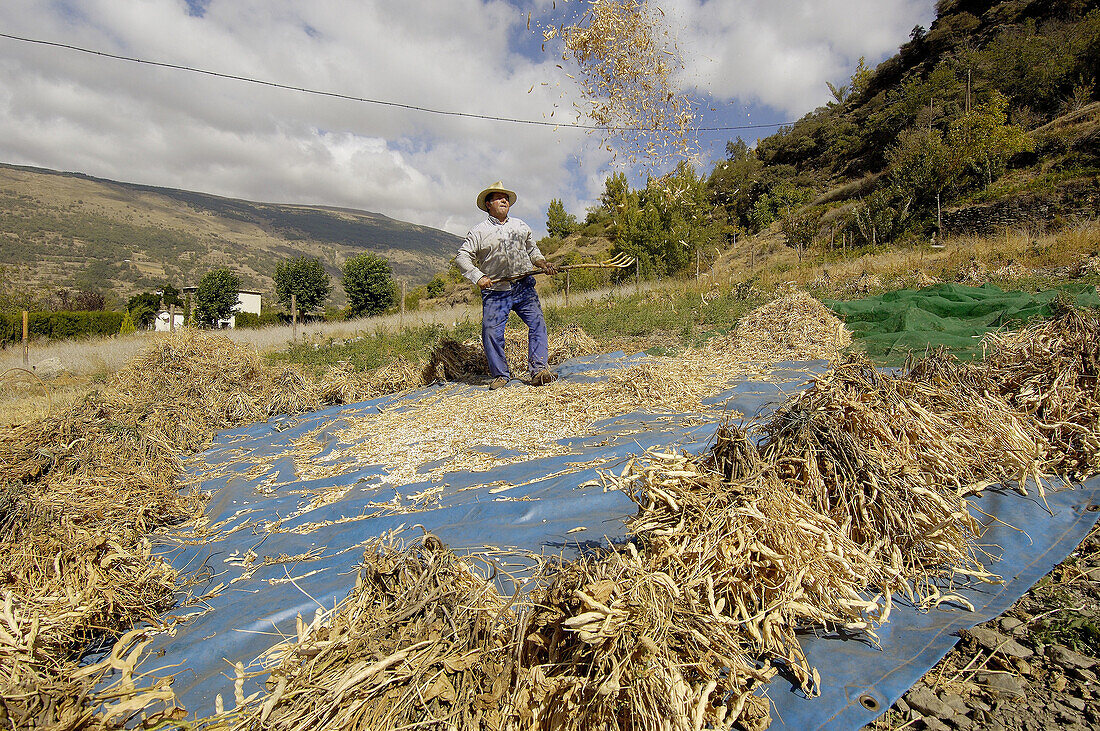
986,121
62,231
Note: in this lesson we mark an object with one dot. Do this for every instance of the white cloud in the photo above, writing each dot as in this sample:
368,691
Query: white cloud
780,53
71,111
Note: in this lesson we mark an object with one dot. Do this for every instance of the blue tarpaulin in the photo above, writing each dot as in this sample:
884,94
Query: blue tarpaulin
267,551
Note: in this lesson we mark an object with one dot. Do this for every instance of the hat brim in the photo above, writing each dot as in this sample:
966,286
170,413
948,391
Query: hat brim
483,205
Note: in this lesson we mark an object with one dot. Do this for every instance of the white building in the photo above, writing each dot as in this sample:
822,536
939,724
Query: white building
248,300
161,323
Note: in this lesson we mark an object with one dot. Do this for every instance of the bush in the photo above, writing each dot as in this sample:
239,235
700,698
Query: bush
59,325
266,319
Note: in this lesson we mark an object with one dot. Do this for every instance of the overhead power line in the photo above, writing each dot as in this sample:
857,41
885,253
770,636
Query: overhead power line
364,100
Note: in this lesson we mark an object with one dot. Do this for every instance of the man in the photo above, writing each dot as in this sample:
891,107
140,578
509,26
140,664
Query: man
494,256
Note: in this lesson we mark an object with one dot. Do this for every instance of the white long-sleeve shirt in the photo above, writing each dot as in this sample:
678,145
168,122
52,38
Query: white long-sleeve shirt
498,249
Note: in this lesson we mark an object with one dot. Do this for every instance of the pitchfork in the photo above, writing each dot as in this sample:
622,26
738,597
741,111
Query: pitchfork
619,261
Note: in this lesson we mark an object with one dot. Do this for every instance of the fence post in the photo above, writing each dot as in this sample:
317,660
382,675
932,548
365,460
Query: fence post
637,276
26,350
566,287
404,294
293,317
172,317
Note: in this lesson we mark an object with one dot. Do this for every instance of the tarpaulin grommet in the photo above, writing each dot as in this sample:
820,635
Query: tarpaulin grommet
1092,508
869,702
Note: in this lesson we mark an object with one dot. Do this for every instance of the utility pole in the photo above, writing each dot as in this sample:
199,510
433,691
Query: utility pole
404,292
968,91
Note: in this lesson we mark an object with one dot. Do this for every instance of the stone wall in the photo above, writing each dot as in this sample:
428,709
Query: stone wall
1046,209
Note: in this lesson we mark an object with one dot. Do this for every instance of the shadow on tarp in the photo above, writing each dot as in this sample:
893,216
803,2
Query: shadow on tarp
258,512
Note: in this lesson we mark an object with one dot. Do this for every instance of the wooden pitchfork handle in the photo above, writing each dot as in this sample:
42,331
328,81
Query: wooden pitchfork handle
621,261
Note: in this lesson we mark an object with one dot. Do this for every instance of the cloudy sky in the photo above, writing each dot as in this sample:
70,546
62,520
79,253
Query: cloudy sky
751,62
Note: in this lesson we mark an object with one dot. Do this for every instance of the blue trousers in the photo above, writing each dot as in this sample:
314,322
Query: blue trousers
495,308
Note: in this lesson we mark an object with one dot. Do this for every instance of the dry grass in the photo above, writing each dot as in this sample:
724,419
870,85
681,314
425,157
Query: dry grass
1017,253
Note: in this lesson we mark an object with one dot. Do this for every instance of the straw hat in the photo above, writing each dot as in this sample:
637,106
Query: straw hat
497,187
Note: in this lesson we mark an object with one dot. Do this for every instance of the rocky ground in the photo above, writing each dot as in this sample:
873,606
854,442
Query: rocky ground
1035,667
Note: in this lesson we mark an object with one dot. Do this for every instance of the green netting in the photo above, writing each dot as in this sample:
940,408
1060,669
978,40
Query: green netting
951,316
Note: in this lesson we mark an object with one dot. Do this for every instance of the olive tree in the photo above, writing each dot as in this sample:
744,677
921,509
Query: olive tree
216,296
306,279
369,285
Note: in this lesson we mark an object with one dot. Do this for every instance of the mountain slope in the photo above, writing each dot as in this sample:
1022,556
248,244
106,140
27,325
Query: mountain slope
62,230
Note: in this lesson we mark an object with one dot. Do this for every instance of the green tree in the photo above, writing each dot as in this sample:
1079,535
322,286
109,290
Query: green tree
142,308
800,230
670,222
127,325
216,296
922,168
618,201
778,203
306,279
880,218
984,140
369,285
436,286
735,182
559,223
861,78
170,296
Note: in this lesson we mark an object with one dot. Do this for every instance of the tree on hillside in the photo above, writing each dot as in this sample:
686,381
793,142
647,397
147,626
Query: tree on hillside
671,219
922,168
800,230
617,200
216,296
369,285
734,183
559,224
306,279
779,202
985,141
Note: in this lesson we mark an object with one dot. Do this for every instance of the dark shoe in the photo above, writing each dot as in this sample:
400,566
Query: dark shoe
542,378
498,382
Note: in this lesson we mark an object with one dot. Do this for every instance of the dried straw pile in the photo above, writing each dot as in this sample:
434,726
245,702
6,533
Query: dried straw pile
419,639
84,486
1049,371
572,342
794,326
455,361
857,491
